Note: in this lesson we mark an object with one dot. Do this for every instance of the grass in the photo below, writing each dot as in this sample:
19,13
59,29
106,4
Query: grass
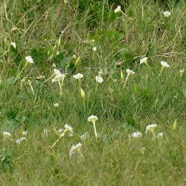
62,36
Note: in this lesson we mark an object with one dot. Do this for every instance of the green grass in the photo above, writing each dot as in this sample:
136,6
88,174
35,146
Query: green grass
51,32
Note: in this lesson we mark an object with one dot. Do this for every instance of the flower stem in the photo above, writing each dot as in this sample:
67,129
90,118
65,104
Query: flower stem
49,78
54,144
126,15
161,70
95,132
18,76
126,80
84,104
60,87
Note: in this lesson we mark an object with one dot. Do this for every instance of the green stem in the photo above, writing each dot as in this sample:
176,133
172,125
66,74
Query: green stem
84,104
126,15
54,144
49,78
95,132
126,80
60,87
18,76
161,70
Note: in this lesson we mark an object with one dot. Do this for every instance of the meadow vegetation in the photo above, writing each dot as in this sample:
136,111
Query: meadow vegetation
91,94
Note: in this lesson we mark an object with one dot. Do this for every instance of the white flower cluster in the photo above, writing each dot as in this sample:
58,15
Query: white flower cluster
92,118
29,59
75,149
78,76
8,135
58,76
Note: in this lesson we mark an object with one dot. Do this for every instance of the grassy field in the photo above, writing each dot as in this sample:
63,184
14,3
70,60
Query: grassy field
91,94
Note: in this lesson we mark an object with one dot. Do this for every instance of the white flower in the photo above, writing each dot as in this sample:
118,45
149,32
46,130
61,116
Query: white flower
151,127
60,131
94,49
85,136
6,134
99,79
74,149
56,104
40,77
136,134
118,9
160,135
69,130
74,56
45,133
78,76
165,64
13,44
24,133
21,139
29,59
166,14
130,71
182,71
65,1
57,72
92,118
143,60
58,78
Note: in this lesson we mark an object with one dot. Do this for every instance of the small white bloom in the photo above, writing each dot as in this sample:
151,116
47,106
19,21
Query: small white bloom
85,136
118,9
74,149
6,134
78,76
150,127
182,71
60,131
165,64
24,133
160,135
65,1
166,14
130,71
40,77
92,118
94,49
13,44
136,134
21,139
58,78
57,72
56,104
29,59
99,79
45,133
74,56
143,60
69,130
